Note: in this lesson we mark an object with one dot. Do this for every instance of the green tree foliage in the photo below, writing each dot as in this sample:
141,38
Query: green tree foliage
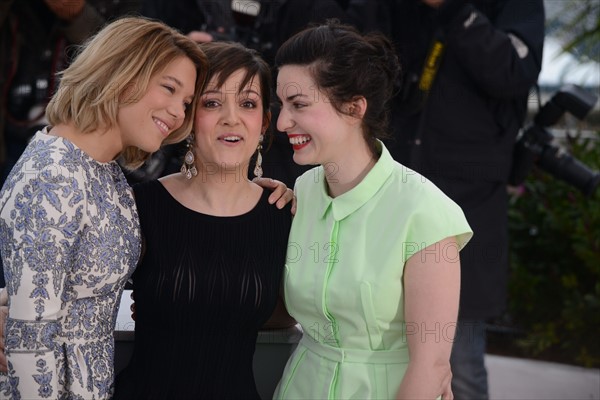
580,28
555,263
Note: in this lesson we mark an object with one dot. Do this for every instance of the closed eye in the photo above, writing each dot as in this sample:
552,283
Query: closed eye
171,89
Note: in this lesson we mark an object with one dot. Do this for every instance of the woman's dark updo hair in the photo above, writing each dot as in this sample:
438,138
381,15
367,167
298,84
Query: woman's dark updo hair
345,65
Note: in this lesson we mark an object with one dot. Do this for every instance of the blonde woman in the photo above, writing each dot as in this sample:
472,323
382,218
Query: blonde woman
69,229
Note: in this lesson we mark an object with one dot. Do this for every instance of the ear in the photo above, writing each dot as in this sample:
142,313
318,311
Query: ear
357,107
266,121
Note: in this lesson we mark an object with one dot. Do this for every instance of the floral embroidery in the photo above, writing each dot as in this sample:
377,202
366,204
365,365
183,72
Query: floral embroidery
69,239
8,387
43,379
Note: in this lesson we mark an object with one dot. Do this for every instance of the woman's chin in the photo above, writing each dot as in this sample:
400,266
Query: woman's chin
303,160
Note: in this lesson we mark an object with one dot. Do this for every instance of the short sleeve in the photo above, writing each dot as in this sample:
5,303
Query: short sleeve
436,217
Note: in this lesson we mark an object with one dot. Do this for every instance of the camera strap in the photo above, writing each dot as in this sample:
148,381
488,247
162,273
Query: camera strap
432,63
429,71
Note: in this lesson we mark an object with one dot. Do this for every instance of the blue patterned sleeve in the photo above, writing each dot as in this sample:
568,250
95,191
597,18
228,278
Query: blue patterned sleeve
42,208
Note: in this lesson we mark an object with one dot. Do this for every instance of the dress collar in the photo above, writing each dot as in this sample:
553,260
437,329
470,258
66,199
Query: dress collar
352,200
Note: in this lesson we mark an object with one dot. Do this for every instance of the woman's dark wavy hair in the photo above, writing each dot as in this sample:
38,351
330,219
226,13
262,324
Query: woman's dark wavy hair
346,64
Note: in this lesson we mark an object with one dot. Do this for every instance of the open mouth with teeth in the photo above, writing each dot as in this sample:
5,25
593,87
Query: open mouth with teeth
231,139
299,141
164,128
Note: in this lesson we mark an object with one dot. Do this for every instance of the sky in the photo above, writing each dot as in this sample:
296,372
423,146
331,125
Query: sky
561,68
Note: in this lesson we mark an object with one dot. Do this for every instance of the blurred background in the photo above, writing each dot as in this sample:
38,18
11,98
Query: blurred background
554,310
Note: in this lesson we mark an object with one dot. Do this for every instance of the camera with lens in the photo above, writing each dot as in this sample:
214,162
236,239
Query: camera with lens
245,27
535,147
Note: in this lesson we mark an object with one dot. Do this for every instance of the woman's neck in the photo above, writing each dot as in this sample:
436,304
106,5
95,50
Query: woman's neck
350,168
214,195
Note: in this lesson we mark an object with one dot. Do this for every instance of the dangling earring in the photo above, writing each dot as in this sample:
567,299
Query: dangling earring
188,169
258,172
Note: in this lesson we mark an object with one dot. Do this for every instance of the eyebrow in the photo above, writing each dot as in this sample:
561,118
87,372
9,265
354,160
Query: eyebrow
172,78
219,91
248,91
292,97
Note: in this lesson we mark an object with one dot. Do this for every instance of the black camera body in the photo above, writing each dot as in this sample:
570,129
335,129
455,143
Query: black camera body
534,146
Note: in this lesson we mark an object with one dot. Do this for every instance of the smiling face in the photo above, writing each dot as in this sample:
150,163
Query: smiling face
317,132
161,110
228,123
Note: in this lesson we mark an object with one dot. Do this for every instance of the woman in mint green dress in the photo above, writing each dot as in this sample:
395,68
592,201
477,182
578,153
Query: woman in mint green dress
372,272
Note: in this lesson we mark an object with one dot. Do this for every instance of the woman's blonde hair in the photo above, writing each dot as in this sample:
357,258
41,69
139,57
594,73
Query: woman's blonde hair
113,68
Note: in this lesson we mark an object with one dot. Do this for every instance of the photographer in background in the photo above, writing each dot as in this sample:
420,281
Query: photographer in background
35,36
195,18
469,67
259,24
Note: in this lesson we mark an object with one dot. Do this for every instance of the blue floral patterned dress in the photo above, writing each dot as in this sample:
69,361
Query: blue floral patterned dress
70,238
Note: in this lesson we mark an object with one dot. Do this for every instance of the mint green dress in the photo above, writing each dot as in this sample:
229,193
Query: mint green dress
343,279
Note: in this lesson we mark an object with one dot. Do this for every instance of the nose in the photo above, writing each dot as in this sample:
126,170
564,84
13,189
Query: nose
229,114
284,122
177,110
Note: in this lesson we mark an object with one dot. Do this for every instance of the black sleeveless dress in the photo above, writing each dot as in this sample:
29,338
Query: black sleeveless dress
203,288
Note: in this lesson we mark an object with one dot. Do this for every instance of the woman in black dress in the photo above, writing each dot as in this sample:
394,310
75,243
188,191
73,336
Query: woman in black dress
214,247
